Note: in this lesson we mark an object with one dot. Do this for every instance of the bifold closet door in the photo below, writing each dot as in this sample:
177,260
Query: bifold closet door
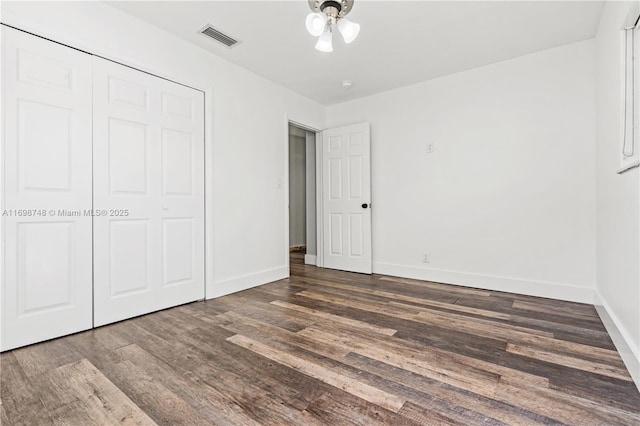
148,183
46,152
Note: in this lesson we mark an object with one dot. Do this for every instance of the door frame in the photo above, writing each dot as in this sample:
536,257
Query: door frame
285,187
319,198
42,30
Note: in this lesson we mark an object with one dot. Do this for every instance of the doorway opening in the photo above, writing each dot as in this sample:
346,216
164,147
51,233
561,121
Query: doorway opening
302,195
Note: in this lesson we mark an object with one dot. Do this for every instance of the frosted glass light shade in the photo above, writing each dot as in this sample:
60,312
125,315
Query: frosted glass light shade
348,29
325,42
315,23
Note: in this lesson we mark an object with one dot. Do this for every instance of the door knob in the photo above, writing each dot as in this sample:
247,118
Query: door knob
365,205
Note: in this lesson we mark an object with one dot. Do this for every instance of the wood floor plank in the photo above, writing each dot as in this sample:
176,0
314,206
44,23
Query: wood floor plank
573,382
415,313
361,390
263,310
416,300
432,357
580,364
555,327
562,407
290,389
170,350
428,293
343,409
265,332
258,403
287,385
597,389
20,398
42,357
93,399
188,388
336,318
443,287
4,420
447,400
569,348
422,363
151,395
425,416
558,308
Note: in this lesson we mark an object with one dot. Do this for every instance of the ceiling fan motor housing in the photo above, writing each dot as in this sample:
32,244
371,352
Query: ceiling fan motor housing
332,8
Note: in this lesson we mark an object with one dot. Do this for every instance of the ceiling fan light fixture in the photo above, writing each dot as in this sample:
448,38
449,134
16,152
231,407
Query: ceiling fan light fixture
327,15
325,42
348,29
316,22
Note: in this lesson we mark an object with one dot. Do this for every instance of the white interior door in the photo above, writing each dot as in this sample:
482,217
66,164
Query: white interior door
148,167
46,152
346,198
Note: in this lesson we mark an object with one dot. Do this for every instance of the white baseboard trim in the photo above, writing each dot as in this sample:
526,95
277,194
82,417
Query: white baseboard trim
629,352
244,282
309,259
546,289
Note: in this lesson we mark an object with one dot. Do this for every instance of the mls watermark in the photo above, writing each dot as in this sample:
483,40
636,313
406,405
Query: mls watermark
65,213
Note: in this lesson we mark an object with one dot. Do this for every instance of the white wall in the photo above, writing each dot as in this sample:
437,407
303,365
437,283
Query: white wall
246,130
618,201
507,199
297,188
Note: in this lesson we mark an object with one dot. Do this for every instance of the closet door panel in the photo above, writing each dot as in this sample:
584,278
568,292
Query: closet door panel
181,191
149,181
46,151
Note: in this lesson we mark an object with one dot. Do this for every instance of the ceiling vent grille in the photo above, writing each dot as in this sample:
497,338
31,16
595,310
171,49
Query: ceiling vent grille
219,36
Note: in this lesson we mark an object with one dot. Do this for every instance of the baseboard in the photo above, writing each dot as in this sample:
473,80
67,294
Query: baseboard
546,289
244,282
629,353
309,259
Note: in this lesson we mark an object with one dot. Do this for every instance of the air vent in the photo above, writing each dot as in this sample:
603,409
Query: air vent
219,36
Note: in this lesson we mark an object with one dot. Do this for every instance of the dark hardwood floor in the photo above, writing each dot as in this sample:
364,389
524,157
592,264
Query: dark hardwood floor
332,348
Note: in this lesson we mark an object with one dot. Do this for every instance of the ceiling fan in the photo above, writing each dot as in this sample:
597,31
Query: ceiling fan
327,15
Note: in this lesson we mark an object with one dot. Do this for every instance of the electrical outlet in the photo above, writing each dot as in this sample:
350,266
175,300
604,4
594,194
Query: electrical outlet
431,146
426,258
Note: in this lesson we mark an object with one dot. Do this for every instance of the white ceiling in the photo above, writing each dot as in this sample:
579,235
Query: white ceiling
400,42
